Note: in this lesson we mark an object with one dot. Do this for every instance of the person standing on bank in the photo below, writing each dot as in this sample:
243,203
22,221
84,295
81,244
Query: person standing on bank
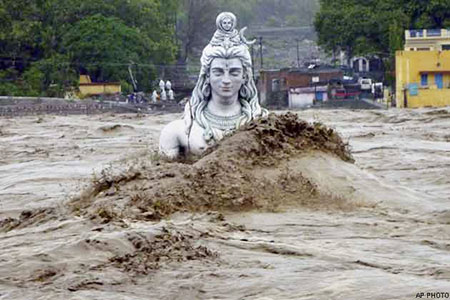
224,98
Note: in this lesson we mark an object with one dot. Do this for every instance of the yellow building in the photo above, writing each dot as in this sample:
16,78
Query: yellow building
85,79
89,88
423,69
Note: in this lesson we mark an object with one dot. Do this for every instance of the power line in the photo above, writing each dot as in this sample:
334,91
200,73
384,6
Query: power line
113,64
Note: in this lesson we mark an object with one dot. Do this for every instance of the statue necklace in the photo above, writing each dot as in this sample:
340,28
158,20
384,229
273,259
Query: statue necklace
222,122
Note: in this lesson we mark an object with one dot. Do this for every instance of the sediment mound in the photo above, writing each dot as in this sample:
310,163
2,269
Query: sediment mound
115,129
248,170
28,217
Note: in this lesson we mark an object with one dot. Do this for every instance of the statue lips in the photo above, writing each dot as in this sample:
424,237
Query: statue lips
226,86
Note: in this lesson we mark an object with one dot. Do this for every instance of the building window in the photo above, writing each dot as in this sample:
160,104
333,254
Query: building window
433,32
275,85
424,79
446,47
416,33
438,80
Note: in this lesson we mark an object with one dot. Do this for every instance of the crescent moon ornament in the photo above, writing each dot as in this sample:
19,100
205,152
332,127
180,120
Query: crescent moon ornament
243,39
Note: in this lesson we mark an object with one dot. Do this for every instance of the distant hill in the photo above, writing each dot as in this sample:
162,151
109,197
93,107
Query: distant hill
282,13
280,23
280,46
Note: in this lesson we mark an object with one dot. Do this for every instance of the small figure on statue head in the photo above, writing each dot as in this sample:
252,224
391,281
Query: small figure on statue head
226,33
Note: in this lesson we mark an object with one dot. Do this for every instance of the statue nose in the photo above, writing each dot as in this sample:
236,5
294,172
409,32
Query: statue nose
226,79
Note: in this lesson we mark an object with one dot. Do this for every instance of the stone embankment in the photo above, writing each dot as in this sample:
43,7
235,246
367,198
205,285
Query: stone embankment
26,106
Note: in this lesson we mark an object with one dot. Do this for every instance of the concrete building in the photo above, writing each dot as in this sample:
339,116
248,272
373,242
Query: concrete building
306,96
370,66
423,69
274,85
360,64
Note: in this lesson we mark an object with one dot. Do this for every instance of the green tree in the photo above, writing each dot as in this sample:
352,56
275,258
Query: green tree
364,27
375,27
196,24
103,47
42,40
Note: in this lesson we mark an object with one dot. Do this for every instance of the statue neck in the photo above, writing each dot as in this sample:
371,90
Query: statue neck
224,107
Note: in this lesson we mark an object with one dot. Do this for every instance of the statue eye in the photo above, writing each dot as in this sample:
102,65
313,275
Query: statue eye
236,72
217,72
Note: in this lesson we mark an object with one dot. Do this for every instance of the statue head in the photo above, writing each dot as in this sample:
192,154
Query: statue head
226,21
247,92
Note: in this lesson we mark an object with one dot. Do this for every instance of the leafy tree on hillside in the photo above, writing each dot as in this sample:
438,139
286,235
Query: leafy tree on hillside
50,41
44,44
364,27
375,27
196,24
103,46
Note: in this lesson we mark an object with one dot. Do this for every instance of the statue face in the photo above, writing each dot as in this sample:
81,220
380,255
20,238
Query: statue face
227,24
226,78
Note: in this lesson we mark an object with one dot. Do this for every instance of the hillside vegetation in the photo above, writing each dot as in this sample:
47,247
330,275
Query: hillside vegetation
46,44
375,27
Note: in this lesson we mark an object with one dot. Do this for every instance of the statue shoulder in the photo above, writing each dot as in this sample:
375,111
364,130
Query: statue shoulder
173,138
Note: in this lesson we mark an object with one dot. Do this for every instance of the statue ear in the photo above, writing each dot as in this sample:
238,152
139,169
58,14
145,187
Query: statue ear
206,89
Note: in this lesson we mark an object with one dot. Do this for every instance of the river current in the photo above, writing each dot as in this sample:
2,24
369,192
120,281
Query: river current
391,242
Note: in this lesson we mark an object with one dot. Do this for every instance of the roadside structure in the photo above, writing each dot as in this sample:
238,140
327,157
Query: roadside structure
306,96
370,66
89,88
306,83
423,69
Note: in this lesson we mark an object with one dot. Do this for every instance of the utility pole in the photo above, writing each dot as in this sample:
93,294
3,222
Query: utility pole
130,72
260,51
298,54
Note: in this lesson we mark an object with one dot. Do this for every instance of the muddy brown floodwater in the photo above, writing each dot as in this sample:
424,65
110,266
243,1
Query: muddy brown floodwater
355,209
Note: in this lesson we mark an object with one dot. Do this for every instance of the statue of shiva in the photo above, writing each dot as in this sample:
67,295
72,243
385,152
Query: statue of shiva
224,98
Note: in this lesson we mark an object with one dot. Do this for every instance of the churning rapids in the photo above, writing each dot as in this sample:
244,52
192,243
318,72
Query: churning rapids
88,211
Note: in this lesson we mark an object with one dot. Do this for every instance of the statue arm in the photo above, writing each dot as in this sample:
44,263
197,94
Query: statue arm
173,139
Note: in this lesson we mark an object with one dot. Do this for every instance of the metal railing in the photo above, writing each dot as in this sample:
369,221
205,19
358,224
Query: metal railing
424,33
